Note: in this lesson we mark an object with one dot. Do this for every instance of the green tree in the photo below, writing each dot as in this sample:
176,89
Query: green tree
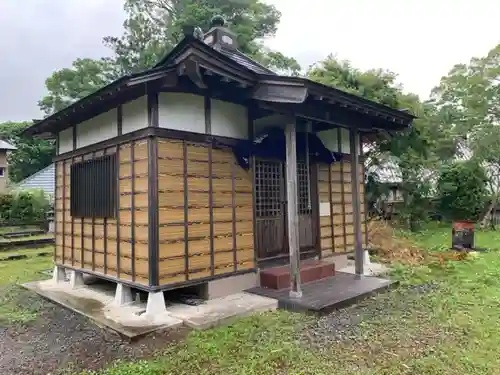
416,153
69,84
152,28
468,99
32,154
461,190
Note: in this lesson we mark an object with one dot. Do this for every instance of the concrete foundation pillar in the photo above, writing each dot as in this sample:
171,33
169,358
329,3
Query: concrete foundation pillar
366,258
76,280
59,274
156,303
123,295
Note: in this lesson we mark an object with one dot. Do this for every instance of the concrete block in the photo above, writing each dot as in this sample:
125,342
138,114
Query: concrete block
59,274
230,285
123,295
221,311
156,303
76,280
366,258
340,260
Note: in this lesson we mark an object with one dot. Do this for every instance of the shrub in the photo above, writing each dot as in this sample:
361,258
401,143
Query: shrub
462,191
24,207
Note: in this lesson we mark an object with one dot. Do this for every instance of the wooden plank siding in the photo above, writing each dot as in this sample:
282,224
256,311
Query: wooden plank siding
337,230
205,212
118,246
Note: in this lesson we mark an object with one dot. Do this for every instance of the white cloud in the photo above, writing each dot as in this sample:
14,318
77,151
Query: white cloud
419,40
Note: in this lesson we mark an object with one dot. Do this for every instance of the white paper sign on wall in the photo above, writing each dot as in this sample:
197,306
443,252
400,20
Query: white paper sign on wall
324,209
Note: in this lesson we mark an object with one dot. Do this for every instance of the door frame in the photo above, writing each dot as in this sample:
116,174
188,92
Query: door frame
310,252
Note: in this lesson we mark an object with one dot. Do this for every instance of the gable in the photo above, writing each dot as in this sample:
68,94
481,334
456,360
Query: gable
43,179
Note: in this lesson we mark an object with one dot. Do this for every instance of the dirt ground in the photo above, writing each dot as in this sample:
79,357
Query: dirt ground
60,339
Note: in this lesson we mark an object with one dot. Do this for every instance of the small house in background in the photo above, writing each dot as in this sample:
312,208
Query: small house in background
389,193
210,170
42,180
5,148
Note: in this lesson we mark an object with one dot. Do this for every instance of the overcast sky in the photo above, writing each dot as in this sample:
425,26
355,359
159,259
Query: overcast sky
419,40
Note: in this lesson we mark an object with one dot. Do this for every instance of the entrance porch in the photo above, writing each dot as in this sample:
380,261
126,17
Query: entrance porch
323,296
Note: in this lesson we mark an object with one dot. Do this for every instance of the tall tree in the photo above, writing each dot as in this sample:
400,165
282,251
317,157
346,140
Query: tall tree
32,154
152,28
468,99
413,154
69,84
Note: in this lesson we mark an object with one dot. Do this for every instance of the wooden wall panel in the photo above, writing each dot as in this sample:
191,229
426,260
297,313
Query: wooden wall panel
117,246
335,188
205,212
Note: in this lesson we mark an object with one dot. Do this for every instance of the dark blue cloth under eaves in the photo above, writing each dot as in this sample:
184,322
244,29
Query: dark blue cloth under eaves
271,144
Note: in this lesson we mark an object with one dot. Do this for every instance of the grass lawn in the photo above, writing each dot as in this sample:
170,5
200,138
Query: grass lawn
16,306
449,327
452,328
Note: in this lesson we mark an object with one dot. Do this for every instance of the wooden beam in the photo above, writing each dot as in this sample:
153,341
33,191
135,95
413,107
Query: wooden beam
327,117
356,204
292,212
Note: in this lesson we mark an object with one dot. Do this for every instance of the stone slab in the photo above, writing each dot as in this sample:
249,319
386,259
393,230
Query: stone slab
220,311
97,304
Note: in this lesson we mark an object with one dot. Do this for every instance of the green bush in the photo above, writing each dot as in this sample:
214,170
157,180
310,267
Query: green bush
462,191
24,207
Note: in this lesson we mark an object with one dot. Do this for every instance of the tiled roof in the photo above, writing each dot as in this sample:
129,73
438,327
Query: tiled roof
6,146
44,180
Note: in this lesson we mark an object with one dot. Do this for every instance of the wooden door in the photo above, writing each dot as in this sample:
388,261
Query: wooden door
307,201
271,209
270,215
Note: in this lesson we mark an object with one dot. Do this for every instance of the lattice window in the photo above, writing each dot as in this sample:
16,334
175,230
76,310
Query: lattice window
93,187
268,188
303,188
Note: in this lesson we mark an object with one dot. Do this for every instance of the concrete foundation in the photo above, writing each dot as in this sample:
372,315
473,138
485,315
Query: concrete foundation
230,285
156,304
107,305
123,295
370,269
340,261
223,310
59,274
76,280
366,258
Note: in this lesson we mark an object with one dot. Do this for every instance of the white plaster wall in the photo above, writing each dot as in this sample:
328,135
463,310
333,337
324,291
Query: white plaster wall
276,120
330,140
135,115
97,129
229,119
66,140
181,111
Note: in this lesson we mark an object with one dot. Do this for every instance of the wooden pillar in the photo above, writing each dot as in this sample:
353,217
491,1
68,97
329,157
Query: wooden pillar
356,201
292,211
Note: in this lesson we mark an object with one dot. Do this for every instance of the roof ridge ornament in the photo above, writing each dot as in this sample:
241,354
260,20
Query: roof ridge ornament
217,21
219,36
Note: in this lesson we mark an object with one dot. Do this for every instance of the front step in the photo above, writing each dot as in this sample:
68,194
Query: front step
310,270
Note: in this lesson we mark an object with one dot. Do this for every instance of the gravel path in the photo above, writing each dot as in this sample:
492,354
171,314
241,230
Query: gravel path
59,339
345,324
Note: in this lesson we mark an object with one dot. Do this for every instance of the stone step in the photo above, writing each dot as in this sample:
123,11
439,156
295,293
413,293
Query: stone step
310,270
